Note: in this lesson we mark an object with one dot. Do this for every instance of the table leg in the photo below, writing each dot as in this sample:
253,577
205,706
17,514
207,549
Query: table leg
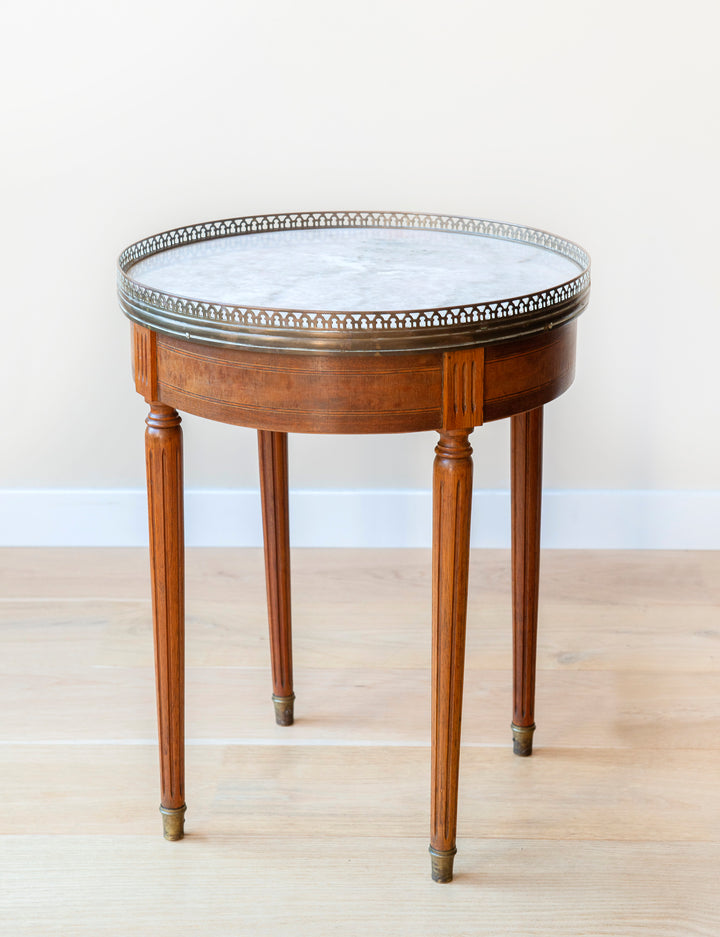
163,452
272,449
452,498
526,434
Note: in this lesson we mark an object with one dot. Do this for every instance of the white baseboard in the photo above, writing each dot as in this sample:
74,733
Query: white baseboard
571,519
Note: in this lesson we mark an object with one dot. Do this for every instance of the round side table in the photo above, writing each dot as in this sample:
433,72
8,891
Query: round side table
353,322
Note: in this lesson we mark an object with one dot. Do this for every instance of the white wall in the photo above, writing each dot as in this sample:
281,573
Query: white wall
598,121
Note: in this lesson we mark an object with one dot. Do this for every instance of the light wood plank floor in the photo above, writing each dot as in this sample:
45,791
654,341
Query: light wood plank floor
611,828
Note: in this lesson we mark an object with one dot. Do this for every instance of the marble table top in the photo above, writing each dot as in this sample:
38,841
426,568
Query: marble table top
354,270
422,272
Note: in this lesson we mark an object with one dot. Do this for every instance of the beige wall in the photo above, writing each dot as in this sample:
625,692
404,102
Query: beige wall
594,120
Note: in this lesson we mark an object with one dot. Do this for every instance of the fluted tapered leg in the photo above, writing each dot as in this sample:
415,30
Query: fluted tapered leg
526,433
163,451
272,448
452,498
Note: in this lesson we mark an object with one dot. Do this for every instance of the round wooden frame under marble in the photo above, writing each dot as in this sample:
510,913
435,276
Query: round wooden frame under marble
327,393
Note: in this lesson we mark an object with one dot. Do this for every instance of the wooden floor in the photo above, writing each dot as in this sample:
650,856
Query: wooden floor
611,828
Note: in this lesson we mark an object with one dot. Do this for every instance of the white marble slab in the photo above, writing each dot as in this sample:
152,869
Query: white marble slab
354,270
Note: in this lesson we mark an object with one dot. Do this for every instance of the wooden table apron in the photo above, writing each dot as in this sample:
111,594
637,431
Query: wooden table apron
277,392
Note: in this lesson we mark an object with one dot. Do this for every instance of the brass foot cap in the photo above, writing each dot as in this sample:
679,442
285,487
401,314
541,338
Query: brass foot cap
173,819
442,864
522,739
284,709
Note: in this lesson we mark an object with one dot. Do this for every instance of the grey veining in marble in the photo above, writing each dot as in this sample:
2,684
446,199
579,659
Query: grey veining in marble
354,270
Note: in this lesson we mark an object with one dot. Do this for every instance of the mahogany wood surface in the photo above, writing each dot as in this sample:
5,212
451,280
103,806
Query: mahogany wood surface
355,393
452,500
526,499
163,449
272,449
528,373
322,392
302,393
